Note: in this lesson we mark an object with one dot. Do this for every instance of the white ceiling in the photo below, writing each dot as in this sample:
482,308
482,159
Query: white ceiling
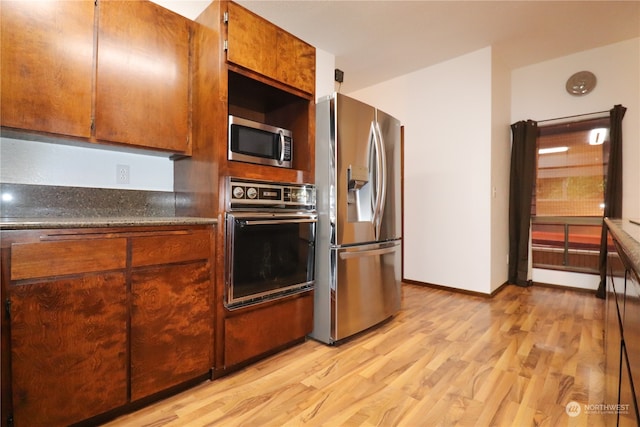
375,40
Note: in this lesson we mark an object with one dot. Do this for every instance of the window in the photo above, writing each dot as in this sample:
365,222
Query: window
568,199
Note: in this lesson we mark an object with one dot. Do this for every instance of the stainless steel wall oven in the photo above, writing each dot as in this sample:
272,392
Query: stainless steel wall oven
270,241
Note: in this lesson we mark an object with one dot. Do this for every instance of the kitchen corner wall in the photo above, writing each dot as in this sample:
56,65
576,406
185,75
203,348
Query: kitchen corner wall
451,171
538,93
457,150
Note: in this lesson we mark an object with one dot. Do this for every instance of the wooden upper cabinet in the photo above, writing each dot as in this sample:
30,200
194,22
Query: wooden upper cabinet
142,85
251,41
296,62
258,45
47,66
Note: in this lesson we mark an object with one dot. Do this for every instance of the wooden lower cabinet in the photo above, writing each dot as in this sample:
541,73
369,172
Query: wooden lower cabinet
171,325
255,331
622,326
628,416
68,348
101,318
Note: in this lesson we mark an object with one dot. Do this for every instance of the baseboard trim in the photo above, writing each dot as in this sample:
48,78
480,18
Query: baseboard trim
456,290
566,288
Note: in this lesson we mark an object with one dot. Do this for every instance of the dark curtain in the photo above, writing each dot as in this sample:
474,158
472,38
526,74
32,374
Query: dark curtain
523,165
613,189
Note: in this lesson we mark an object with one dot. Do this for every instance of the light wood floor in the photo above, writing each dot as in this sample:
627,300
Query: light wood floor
447,359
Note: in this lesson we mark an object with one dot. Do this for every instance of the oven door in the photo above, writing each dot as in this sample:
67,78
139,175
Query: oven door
268,255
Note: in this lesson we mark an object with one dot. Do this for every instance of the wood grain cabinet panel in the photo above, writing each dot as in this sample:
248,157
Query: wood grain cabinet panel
142,93
296,62
263,329
251,41
90,332
45,259
68,349
163,249
171,326
258,45
47,66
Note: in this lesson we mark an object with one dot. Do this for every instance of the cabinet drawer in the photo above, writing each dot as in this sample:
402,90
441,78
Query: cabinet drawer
166,249
264,329
48,259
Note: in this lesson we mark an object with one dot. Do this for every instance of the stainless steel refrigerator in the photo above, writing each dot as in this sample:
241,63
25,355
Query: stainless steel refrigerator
358,241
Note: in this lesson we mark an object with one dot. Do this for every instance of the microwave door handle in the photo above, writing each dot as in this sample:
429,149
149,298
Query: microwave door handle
282,147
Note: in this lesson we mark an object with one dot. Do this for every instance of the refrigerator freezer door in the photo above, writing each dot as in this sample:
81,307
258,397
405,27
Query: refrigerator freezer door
390,225
367,289
355,170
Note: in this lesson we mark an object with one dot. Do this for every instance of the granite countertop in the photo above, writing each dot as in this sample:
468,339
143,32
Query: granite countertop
627,233
91,222
26,207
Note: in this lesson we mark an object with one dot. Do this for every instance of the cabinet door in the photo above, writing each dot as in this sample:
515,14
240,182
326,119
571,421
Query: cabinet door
296,62
251,332
631,328
68,348
627,417
142,86
613,350
171,326
47,66
613,330
252,41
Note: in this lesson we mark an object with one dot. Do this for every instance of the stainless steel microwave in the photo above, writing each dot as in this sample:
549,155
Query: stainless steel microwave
254,142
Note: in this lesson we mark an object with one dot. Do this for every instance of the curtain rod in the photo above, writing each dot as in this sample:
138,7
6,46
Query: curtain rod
571,117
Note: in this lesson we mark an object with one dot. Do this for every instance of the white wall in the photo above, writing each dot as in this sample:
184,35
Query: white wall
538,93
500,169
447,113
325,66
43,163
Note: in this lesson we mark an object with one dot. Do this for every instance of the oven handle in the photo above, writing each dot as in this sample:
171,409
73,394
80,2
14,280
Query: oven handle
275,221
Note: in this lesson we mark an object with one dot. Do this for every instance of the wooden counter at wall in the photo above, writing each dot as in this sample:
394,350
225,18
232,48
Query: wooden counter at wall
622,324
95,319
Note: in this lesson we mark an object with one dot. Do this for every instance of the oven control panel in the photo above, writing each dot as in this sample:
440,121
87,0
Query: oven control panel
272,195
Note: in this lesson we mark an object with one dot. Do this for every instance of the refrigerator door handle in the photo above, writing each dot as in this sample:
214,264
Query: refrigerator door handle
370,252
381,178
373,167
